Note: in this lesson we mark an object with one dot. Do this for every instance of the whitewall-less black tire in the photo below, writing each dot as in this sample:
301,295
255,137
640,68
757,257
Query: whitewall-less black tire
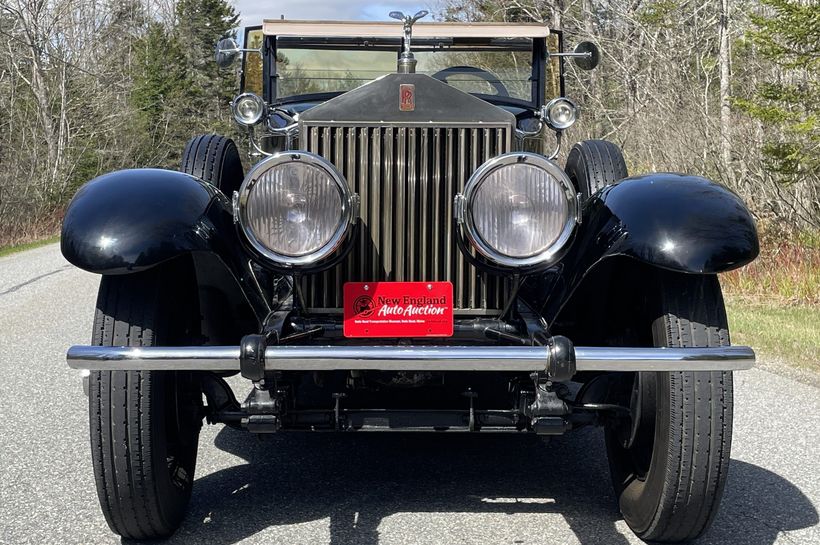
144,424
594,164
669,473
215,159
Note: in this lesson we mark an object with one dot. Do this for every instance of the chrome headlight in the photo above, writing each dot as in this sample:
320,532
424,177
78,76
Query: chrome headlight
560,113
295,208
518,209
248,109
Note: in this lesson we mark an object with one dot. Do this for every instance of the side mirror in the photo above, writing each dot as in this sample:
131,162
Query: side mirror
227,50
586,55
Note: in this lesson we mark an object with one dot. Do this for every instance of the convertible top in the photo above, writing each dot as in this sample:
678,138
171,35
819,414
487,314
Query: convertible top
388,29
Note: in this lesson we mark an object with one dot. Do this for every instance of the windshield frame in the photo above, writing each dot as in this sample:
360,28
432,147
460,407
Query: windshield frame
271,43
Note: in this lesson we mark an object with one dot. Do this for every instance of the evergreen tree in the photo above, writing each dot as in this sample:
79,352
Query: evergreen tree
159,96
178,89
200,24
788,101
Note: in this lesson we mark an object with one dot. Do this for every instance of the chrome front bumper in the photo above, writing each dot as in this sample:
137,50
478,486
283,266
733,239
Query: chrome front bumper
410,358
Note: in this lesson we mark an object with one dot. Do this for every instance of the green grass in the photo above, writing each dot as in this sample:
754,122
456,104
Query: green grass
788,334
6,250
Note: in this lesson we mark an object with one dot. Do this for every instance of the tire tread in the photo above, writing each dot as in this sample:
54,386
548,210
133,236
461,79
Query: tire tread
700,418
214,159
594,164
120,404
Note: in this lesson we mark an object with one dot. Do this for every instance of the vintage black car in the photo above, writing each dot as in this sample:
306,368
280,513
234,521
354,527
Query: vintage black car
407,254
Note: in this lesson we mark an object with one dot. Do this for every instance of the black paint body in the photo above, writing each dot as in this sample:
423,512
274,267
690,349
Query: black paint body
677,222
130,220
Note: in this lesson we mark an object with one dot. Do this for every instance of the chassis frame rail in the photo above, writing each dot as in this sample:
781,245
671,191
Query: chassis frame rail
410,358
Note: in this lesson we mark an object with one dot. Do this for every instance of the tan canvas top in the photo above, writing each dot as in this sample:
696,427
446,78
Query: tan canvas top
389,29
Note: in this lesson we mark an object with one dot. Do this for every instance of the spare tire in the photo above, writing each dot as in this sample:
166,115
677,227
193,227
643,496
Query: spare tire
594,164
215,159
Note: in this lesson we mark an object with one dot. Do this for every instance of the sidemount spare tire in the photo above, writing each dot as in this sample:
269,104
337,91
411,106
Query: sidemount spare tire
215,159
594,164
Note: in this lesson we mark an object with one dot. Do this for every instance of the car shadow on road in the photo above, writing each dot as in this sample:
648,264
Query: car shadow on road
357,480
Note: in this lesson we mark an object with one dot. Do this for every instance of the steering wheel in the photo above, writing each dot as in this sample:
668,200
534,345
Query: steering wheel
489,77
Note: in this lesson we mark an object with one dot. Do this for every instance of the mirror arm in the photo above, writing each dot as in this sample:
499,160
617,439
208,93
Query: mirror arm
584,55
241,50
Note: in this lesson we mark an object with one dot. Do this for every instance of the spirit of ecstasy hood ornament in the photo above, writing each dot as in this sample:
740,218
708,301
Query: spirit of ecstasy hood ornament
407,64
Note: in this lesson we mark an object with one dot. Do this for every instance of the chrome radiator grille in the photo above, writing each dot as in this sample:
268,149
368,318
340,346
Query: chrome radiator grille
406,178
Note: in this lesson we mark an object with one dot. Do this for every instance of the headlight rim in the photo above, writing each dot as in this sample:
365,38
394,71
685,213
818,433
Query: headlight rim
262,111
343,226
550,254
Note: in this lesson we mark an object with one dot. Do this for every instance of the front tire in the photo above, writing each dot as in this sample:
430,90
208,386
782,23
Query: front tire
144,424
670,469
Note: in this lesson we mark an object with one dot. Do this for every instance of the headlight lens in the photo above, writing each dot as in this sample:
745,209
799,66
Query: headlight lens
248,109
295,208
520,209
561,113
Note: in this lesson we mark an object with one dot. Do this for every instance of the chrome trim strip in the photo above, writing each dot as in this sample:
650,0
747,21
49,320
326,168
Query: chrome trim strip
409,358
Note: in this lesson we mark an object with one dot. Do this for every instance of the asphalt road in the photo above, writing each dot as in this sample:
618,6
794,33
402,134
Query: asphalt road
361,489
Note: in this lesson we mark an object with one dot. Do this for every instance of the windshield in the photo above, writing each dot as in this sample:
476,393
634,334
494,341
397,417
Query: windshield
304,71
488,71
491,68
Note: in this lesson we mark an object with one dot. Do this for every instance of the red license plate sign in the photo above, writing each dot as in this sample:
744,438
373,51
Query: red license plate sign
398,309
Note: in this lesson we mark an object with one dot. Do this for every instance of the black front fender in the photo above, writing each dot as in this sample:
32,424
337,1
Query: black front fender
673,221
130,220
678,222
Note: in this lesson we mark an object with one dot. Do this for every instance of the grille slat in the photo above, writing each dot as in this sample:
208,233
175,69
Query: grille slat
436,260
373,220
412,209
460,300
406,178
424,223
450,144
365,257
388,206
400,225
